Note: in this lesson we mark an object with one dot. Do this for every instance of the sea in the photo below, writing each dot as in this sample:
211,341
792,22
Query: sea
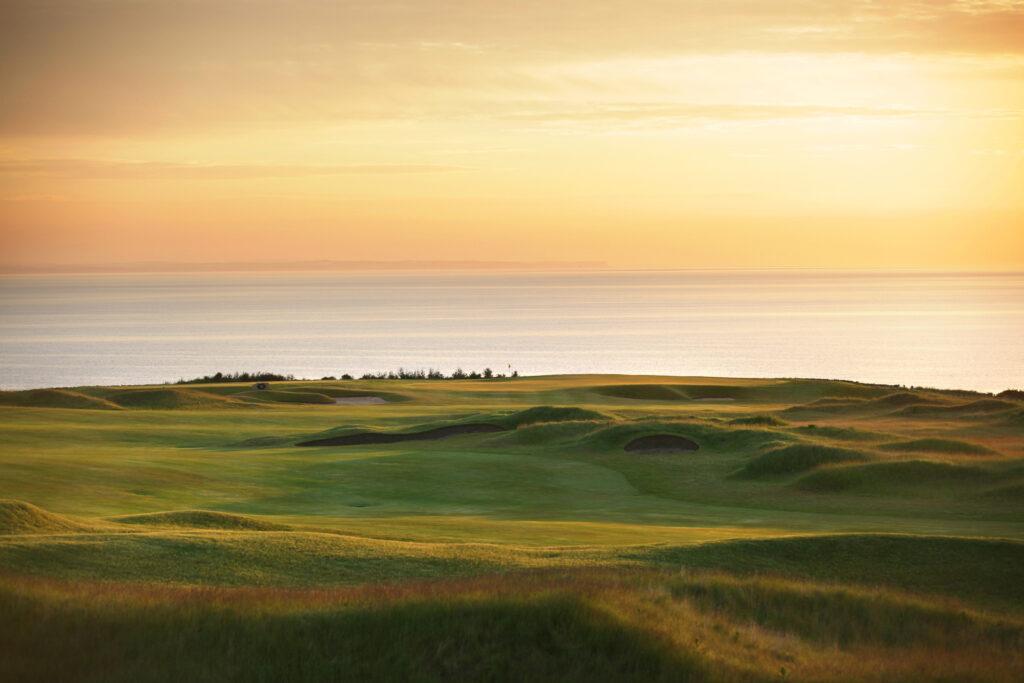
953,330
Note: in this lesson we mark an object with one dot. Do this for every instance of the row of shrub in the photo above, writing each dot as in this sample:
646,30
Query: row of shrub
228,377
459,373
401,373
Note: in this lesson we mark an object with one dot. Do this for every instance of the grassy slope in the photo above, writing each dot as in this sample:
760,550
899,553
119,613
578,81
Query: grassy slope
120,494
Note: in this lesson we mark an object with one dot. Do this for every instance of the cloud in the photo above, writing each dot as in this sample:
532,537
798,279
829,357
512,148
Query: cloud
667,116
126,66
100,169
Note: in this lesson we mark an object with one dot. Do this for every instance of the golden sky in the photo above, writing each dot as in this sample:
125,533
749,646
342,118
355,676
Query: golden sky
642,133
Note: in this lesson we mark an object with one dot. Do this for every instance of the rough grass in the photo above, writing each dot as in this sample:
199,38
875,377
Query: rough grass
798,458
542,414
886,476
335,392
280,396
901,399
1010,492
983,572
758,421
615,535
643,392
199,519
576,626
172,399
840,433
980,407
661,443
19,517
947,446
54,398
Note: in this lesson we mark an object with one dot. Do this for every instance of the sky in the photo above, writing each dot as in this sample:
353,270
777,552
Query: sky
638,133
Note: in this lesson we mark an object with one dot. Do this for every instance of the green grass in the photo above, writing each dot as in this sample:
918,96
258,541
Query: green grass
172,399
798,458
19,517
566,626
186,520
888,477
949,446
54,398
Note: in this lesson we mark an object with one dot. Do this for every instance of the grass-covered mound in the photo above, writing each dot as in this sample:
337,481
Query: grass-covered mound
945,446
542,414
840,433
1010,492
549,434
707,435
279,396
758,421
902,399
19,517
54,398
982,406
798,458
369,438
475,424
661,444
200,519
335,392
643,392
985,572
886,476
172,399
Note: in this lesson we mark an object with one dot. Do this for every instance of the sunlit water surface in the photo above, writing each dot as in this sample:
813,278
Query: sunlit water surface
950,330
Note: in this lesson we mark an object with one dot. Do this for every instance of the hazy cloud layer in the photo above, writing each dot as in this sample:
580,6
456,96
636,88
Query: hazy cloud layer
136,65
99,169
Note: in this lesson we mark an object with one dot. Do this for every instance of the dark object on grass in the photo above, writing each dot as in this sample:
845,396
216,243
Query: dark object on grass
262,386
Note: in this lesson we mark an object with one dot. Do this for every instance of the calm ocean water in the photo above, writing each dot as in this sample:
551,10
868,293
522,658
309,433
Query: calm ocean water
929,329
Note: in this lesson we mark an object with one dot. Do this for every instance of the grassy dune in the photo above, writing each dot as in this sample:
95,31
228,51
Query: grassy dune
511,529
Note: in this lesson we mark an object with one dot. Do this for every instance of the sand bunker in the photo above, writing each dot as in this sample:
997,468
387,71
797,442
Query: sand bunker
365,438
359,401
661,444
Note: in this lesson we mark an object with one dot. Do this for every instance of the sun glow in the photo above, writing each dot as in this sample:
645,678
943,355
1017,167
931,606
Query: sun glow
686,134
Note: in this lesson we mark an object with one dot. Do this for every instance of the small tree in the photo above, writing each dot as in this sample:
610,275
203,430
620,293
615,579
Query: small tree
488,373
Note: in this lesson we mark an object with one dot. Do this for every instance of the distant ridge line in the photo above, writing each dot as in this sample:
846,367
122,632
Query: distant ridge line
323,265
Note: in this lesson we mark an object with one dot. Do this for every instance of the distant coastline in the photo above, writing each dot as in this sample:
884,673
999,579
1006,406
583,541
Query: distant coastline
257,266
